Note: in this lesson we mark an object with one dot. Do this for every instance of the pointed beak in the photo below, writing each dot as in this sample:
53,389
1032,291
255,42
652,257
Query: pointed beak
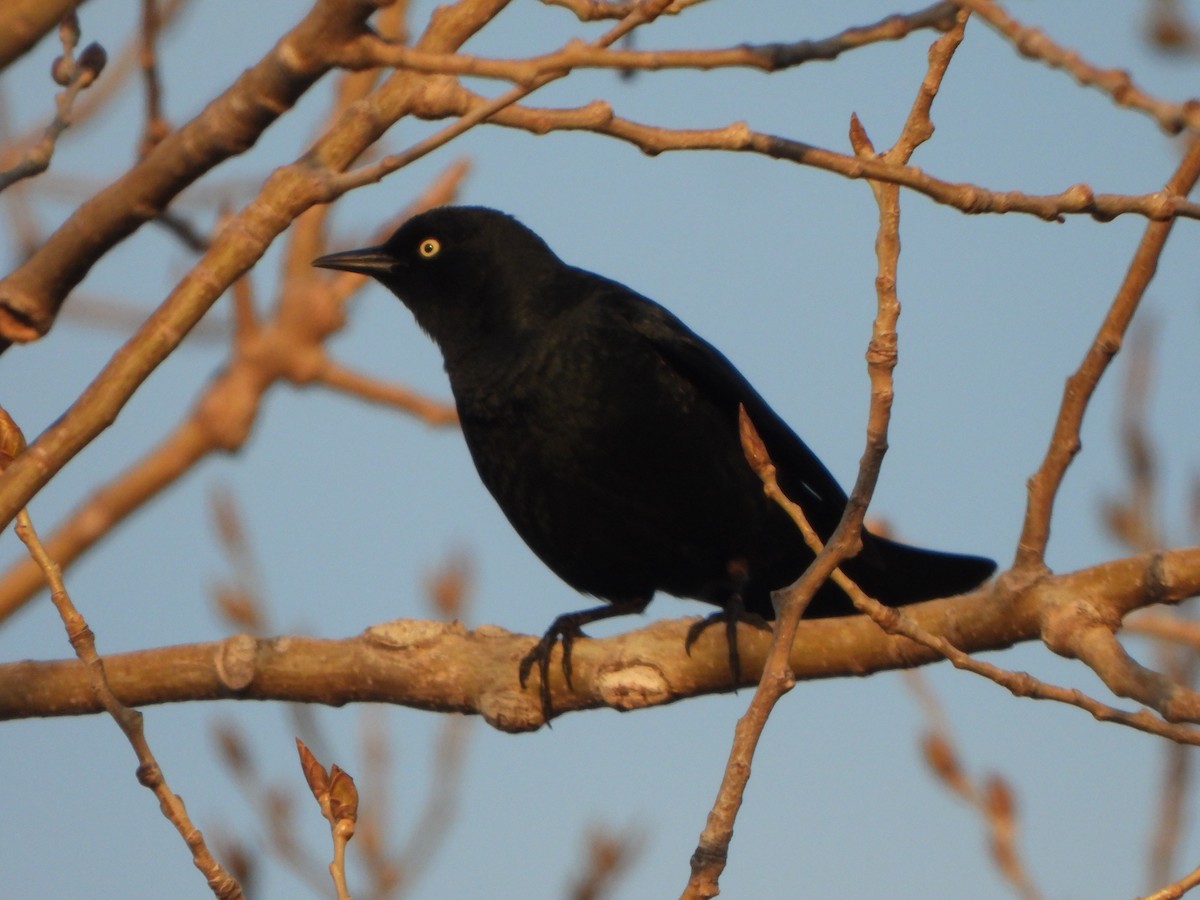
368,261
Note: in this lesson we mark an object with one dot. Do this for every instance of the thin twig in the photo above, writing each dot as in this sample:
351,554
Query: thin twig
598,117
993,799
156,126
75,74
609,855
1176,889
773,57
130,721
597,10
366,387
287,347
1134,520
1117,83
337,796
644,12
1065,441
712,851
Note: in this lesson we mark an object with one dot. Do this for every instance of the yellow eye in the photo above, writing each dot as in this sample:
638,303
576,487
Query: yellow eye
430,247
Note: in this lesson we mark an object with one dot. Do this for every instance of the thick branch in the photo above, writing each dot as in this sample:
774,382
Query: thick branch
434,666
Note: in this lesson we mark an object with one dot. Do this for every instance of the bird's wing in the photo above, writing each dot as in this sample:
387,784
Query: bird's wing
801,475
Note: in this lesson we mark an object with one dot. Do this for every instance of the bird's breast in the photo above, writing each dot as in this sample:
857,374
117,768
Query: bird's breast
619,498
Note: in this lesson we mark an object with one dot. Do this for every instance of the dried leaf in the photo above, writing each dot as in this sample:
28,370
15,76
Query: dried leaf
314,773
343,795
752,444
228,521
999,800
12,441
447,587
232,748
940,755
238,607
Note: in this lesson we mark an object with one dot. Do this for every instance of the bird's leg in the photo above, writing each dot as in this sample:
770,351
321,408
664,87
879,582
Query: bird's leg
733,611
568,628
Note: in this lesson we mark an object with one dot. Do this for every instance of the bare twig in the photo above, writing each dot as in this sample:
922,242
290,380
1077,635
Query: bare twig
646,11
287,347
1064,442
391,871
24,22
31,296
609,855
1134,520
337,796
130,721
125,63
773,57
74,74
1117,83
598,118
1176,889
597,10
993,799
156,126
1156,624
711,853
365,387
1171,819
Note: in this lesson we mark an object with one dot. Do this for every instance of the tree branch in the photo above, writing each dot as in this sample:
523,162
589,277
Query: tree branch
1065,441
1117,83
288,192
445,668
31,296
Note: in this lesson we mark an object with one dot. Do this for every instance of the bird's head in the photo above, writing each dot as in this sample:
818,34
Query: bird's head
466,273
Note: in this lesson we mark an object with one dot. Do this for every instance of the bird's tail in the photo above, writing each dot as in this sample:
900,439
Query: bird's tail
896,574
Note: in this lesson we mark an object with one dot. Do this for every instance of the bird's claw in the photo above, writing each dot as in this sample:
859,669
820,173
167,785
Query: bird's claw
730,616
541,653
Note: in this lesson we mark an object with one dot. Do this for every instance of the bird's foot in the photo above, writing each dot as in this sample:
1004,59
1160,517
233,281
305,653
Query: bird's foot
730,616
566,628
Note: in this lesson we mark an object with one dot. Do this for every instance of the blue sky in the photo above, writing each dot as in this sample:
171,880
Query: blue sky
348,506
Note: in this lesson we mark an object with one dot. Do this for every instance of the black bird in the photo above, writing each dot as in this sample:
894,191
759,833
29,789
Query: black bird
608,433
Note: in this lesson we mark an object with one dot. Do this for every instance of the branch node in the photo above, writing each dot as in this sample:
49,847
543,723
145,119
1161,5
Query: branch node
1064,622
511,711
634,686
236,661
410,634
